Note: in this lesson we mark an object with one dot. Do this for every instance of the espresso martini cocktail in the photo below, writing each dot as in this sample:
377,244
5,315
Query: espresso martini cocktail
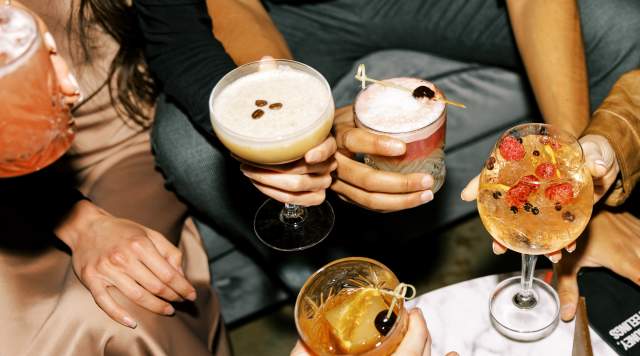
411,110
272,112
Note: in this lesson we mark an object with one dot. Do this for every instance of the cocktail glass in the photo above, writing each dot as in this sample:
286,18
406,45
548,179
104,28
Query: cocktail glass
342,309
419,122
290,227
35,125
535,197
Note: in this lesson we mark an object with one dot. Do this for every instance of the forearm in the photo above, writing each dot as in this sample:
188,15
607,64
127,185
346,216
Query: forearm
239,23
549,38
72,225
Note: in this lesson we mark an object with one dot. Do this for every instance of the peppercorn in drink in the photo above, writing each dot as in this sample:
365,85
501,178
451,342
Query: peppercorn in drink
535,197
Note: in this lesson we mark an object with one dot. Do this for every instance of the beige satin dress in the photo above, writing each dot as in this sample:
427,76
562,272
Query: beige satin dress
44,308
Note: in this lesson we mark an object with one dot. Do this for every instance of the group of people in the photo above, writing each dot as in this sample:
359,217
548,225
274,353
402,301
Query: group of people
98,257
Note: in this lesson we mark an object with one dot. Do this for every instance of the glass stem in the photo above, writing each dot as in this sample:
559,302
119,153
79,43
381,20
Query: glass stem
526,298
293,215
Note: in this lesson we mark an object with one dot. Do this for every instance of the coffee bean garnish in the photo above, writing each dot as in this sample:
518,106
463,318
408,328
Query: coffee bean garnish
535,211
527,206
383,325
496,195
514,209
490,163
275,106
568,216
423,92
536,153
558,207
257,114
261,103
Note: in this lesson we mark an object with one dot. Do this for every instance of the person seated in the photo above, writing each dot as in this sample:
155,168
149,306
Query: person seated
610,146
108,269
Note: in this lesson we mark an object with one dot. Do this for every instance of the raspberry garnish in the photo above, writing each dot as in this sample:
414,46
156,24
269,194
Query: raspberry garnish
561,193
545,170
511,149
519,194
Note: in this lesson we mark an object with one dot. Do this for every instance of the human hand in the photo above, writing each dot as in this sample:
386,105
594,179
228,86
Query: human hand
416,342
303,182
368,187
601,162
612,240
470,193
69,87
112,252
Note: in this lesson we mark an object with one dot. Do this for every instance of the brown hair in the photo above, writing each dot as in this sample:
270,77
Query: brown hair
130,85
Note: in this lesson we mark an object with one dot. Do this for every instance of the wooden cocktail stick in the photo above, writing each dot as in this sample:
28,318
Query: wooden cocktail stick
361,75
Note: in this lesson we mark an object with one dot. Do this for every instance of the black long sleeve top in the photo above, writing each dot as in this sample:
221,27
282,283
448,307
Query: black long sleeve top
182,53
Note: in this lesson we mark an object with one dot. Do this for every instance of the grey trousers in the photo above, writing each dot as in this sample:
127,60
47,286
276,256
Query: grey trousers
465,46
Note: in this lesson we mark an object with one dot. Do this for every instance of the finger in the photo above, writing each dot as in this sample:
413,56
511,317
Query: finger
568,293
267,63
322,152
139,295
298,198
417,337
554,257
289,182
498,248
381,201
594,156
571,247
470,192
151,258
141,274
297,167
104,300
628,268
361,141
373,180
171,253
300,350
452,353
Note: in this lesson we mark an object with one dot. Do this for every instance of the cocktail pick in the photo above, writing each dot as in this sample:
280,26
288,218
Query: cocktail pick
400,292
361,75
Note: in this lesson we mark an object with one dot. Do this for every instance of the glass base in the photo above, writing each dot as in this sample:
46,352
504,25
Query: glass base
315,226
531,323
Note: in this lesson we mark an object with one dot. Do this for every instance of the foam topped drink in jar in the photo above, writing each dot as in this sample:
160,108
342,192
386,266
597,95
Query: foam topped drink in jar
35,126
416,115
273,115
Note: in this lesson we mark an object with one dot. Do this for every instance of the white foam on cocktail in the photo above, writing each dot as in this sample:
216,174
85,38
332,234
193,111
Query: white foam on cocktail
304,100
392,110
17,32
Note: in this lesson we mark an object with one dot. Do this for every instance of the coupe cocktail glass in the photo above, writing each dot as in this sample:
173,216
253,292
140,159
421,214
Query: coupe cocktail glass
418,121
535,197
342,309
272,112
35,125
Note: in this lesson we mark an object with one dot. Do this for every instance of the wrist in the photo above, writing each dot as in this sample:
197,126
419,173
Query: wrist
77,222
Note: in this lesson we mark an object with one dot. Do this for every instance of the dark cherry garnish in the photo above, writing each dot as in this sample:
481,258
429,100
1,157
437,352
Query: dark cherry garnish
514,209
568,216
257,114
527,206
275,106
558,206
261,103
535,211
536,153
423,92
383,324
490,164
496,195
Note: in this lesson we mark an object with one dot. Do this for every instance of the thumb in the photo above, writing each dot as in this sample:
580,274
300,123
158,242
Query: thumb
598,154
470,192
568,293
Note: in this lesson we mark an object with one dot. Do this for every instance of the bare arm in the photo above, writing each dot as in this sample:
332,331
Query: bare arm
246,31
549,38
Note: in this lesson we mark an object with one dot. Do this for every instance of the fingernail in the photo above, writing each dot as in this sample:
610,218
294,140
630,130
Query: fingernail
495,249
566,312
169,310
129,322
554,258
50,42
426,196
74,82
571,248
427,182
313,156
192,296
396,147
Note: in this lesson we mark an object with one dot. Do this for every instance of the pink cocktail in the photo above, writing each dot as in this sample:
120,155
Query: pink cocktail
35,126
418,119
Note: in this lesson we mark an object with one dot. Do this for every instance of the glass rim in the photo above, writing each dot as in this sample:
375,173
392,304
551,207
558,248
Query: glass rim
8,67
296,308
540,124
363,125
316,122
